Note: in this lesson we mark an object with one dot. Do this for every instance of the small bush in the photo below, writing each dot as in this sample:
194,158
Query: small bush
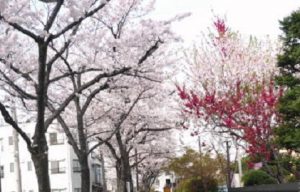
257,177
196,185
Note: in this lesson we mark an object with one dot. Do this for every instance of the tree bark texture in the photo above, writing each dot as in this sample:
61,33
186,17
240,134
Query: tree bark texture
124,168
85,174
40,161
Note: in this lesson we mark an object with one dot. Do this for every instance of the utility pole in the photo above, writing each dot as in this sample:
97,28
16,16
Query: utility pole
228,165
16,149
103,172
240,169
137,170
199,145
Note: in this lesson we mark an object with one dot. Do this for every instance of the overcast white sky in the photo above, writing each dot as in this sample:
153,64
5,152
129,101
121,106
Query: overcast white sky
250,17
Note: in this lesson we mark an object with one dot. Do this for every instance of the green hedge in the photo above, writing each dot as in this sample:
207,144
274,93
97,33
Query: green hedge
196,185
257,177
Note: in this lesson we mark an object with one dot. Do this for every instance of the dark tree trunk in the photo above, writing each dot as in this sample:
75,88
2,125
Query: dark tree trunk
120,184
85,174
39,148
124,166
123,177
83,152
40,161
126,176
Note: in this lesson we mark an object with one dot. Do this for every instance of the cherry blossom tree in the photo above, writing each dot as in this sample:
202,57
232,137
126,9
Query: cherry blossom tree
37,35
120,49
59,55
140,120
152,157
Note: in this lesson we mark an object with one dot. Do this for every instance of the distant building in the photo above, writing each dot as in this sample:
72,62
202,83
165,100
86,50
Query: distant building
64,167
165,178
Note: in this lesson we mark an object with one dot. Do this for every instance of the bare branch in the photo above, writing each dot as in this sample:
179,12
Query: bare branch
53,14
8,119
155,129
17,88
102,141
66,129
125,115
19,72
77,22
111,148
135,74
48,1
80,89
150,51
21,29
92,95
67,74
58,53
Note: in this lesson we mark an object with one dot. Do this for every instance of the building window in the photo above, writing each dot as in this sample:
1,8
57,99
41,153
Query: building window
10,140
29,166
11,167
77,189
58,167
1,144
53,138
96,174
56,139
76,165
58,190
1,171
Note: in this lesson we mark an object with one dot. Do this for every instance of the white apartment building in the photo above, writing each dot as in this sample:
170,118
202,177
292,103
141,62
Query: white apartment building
64,168
164,179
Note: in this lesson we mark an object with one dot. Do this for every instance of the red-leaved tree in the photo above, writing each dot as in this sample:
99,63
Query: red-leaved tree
231,89
247,112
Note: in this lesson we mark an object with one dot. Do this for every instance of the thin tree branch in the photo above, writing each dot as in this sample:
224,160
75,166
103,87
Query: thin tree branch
111,148
125,115
67,74
92,95
22,29
150,51
77,22
80,89
8,119
19,72
66,129
17,88
53,15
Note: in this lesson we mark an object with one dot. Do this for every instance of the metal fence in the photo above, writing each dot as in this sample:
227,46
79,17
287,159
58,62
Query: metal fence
288,187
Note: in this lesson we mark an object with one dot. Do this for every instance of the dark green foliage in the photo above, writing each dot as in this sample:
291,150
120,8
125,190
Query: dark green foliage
288,133
196,185
198,172
290,164
257,177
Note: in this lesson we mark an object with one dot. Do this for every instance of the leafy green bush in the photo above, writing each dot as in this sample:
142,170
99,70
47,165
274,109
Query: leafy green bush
196,185
257,177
